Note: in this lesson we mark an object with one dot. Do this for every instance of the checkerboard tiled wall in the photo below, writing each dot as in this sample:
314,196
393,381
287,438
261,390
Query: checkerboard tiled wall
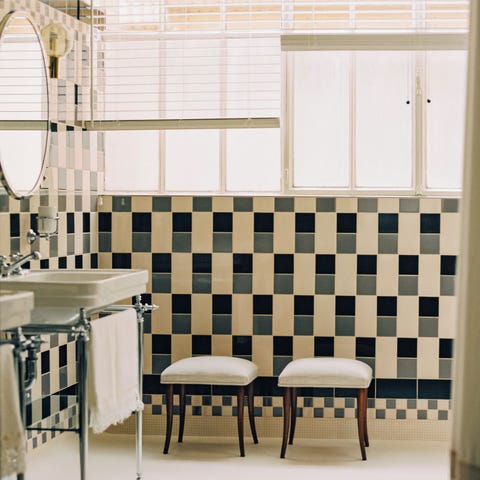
273,279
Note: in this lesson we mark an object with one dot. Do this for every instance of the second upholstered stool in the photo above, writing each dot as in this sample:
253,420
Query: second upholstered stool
324,372
211,370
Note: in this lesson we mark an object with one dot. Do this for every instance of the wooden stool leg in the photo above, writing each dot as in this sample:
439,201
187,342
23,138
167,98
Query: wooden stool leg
251,412
361,418
169,417
240,408
293,418
182,413
286,419
367,444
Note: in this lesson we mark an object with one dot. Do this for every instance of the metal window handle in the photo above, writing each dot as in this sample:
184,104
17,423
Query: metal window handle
408,102
429,100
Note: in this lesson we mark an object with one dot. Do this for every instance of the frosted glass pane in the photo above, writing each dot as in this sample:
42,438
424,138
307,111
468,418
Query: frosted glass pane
192,160
445,118
132,161
321,119
253,160
383,120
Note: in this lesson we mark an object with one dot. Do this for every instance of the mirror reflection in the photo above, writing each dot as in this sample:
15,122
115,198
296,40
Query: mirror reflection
24,112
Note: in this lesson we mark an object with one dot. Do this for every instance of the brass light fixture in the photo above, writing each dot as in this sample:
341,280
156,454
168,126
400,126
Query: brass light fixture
57,40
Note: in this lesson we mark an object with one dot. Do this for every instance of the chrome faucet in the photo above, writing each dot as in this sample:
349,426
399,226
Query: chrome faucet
15,268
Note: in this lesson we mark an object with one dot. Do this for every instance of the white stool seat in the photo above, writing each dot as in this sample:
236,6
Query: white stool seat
326,372
210,370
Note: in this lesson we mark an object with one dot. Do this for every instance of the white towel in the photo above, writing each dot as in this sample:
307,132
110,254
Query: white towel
12,436
113,369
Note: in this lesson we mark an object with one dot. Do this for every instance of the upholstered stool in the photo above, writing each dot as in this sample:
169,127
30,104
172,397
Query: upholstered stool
211,370
324,372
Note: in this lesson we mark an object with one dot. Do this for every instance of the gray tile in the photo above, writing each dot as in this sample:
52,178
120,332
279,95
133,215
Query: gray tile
346,242
45,384
339,413
318,412
401,414
70,244
263,242
407,368
283,283
447,285
304,242
381,414
243,204
54,246
279,363
367,204
182,242
202,204
408,285
326,204
303,325
409,205
162,204
386,326
284,204
411,404
430,243
141,242
201,283
391,403
122,204
63,379
104,242
428,327
445,368
222,242
325,284
450,205
25,205
443,414
366,285
181,323
86,243
369,361
161,283
388,243
350,403
262,324
160,363
242,283
432,404
221,324
344,326
422,415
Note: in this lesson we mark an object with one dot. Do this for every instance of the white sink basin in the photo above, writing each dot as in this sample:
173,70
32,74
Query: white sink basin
78,288
15,308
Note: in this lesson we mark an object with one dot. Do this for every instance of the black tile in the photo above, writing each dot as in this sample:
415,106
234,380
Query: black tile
53,127
181,222
62,262
121,260
33,221
202,263
201,345
162,344
263,222
142,222
388,223
436,389
365,347
282,345
45,356
46,407
14,224
181,303
242,263
407,347
104,222
78,261
366,264
324,346
222,304
86,222
62,355
70,222
151,384
94,260
448,264
262,304
325,264
305,222
408,264
222,222
387,306
396,388
428,306
446,348
44,264
303,304
346,222
344,305
283,263
161,263
242,345
267,386
429,223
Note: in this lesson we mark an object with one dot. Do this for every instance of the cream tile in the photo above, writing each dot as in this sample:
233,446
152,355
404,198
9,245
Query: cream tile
181,347
430,205
242,234
367,233
201,314
347,204
387,275
303,347
263,204
161,232
162,317
147,354
182,204
386,357
141,203
222,273
122,232
222,345
366,316
222,204
282,320
427,357
450,228
388,205
284,236
143,261
428,275
407,316
346,277
448,317
325,232
324,316
242,316
5,233
344,347
262,354
305,204
408,233
202,232
181,272
104,203
262,281
304,276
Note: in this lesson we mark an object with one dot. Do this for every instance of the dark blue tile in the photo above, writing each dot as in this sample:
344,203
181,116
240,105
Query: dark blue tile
436,389
181,222
283,263
141,222
429,223
121,260
282,345
242,263
365,347
366,264
262,304
222,222
86,222
387,223
70,223
446,348
428,306
162,344
406,347
222,304
324,346
396,388
151,384
408,264
305,222
344,305
242,345
161,262
201,345
448,264
202,263
181,303
263,223
387,306
325,264
303,305
346,222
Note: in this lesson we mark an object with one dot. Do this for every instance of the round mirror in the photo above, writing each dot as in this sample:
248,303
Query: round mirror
24,115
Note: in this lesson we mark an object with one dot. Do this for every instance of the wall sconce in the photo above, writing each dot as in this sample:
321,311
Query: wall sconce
47,224
57,40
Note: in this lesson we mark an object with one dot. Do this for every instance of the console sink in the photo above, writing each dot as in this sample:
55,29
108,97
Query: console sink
78,288
15,308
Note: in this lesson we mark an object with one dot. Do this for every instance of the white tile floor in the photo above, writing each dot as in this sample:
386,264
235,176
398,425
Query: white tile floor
113,457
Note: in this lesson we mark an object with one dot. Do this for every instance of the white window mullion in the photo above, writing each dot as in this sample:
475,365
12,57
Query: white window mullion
419,125
352,123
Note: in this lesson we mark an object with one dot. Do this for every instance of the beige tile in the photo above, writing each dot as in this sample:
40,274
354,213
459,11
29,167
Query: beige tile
262,281
450,228
303,347
305,204
263,204
104,260
346,277
284,236
282,319
147,354
388,205
222,204
448,317
202,232
304,277
324,316
181,347
161,232
162,317
366,316
222,345
346,204
122,232
141,203
386,349
181,272
428,275
222,273
430,205
367,233
427,355
242,234
408,233
201,314
143,261
182,204
325,232
387,275
242,316
5,233
344,347
104,203
262,354
407,316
